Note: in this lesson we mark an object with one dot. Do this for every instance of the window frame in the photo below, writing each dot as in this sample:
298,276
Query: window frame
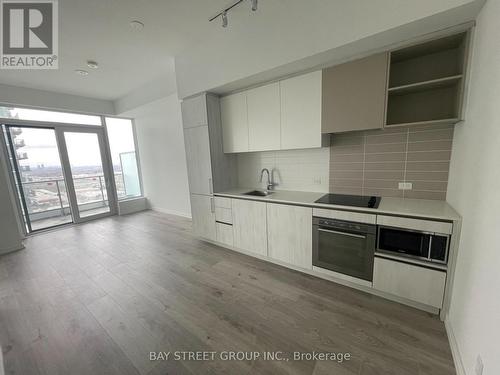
137,155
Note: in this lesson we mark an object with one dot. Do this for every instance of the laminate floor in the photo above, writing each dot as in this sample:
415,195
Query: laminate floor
97,298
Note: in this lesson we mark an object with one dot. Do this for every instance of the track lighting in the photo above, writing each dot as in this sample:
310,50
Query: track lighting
224,19
223,13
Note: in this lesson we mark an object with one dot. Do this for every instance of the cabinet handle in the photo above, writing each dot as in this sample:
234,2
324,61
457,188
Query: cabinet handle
210,187
212,205
341,233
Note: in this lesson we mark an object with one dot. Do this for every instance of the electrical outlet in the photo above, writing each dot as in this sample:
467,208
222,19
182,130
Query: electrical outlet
479,365
317,181
405,186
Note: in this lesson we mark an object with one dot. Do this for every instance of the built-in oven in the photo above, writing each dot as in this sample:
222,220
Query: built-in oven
426,246
345,247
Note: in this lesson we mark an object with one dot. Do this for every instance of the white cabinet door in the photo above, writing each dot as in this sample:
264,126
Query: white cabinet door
198,160
194,111
301,111
234,122
264,118
249,226
289,234
409,281
203,213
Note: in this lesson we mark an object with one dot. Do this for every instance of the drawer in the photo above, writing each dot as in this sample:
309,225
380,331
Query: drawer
223,215
356,217
223,202
409,281
415,224
224,234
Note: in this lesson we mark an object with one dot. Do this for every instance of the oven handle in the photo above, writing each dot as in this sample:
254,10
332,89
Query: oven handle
341,233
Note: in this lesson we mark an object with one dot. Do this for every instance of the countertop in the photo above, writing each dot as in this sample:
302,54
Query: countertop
422,208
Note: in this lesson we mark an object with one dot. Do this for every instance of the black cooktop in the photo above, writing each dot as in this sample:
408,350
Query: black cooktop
350,200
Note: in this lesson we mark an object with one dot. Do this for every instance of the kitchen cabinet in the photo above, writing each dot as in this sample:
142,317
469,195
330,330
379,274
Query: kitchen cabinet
264,118
198,157
203,214
354,95
409,281
289,234
301,111
224,234
194,112
234,122
426,82
249,226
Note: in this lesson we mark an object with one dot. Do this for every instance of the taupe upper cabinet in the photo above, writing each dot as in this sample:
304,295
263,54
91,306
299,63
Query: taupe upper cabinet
354,95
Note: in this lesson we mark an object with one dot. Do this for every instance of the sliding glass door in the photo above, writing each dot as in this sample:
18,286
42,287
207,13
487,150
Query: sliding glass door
38,177
87,172
61,174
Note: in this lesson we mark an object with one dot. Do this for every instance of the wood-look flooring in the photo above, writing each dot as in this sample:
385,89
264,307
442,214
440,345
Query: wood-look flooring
97,298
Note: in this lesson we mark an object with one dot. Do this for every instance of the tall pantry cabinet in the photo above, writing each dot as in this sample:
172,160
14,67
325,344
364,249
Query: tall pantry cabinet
209,169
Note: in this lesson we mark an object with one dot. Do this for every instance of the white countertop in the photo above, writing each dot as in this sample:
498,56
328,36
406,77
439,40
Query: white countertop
423,208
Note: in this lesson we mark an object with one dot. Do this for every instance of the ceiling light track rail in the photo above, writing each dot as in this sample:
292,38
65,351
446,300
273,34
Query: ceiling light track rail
223,13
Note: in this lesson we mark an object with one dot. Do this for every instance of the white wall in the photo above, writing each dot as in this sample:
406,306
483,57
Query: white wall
304,34
474,191
10,236
162,155
301,170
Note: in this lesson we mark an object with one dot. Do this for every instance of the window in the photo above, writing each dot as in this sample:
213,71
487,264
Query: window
48,116
122,146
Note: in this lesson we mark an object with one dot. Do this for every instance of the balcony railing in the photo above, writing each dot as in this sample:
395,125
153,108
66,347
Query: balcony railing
48,198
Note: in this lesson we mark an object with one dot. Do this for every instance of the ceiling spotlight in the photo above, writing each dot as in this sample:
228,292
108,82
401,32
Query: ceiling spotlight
224,19
92,64
136,25
81,72
254,5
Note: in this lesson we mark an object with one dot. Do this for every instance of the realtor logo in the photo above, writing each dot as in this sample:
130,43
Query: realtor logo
29,34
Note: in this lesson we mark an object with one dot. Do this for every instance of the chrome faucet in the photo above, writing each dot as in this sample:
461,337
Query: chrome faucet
270,183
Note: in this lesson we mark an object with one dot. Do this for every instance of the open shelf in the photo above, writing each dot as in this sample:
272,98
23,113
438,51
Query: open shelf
426,82
428,122
425,85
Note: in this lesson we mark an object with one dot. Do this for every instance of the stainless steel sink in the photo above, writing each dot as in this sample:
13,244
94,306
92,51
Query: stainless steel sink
258,193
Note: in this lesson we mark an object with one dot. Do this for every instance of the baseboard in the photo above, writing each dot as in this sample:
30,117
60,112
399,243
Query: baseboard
171,212
11,249
455,351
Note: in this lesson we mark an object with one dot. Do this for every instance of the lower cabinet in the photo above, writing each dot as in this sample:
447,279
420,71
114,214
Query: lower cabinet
249,226
290,234
224,233
408,281
203,213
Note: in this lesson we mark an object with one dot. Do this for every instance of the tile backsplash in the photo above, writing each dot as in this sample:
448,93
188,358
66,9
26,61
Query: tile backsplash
301,170
375,162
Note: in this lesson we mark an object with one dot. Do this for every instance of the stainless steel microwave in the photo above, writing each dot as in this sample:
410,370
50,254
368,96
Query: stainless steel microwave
426,246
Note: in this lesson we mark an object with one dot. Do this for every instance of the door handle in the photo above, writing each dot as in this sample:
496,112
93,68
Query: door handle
210,186
212,205
341,233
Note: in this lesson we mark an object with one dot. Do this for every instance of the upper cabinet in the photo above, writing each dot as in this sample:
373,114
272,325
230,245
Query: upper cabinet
264,118
279,116
426,82
234,117
301,111
354,95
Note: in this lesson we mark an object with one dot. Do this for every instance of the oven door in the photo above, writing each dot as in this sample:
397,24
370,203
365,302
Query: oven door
349,253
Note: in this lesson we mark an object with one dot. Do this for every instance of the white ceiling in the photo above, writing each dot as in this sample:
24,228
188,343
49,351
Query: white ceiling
99,30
